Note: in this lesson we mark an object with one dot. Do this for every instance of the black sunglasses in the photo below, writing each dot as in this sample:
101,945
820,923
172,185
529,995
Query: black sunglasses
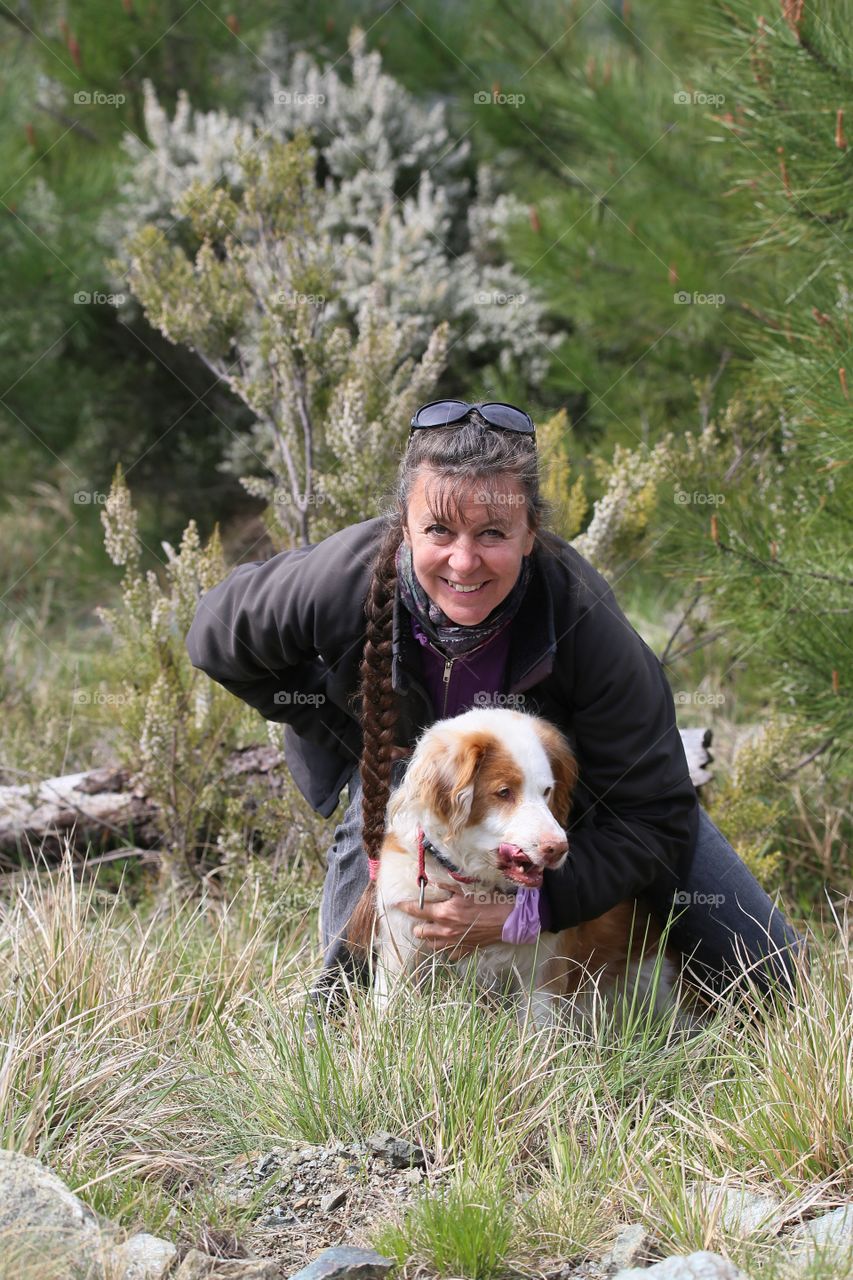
443,413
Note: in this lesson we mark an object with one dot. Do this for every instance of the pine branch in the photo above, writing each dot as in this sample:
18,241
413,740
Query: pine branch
687,612
789,773
780,568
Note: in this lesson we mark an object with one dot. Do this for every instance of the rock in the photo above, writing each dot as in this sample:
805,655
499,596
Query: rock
201,1266
142,1257
333,1199
830,1236
690,1266
630,1247
740,1212
397,1151
40,1218
345,1263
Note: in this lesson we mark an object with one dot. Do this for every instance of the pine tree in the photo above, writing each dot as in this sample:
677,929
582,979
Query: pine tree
776,549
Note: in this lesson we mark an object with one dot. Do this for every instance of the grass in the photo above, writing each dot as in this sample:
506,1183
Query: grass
143,1050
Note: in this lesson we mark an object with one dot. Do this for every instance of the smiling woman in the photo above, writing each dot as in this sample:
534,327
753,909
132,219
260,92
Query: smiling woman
470,563
460,598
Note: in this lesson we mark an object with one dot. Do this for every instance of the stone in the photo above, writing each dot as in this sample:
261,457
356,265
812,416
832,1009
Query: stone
346,1263
41,1219
333,1199
830,1237
142,1257
740,1212
397,1151
689,1266
630,1247
201,1266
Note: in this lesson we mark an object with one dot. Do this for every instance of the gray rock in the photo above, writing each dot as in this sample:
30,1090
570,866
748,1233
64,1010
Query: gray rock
629,1247
332,1199
200,1266
690,1266
142,1257
397,1151
740,1212
346,1263
41,1219
830,1236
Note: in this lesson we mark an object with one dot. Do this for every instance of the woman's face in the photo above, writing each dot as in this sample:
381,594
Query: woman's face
476,551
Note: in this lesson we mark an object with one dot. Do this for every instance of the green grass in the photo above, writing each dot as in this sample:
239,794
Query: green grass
143,1050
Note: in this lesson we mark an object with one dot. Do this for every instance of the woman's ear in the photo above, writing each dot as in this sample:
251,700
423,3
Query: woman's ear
564,767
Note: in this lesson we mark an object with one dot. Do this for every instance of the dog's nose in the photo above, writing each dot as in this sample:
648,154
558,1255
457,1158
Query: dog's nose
552,850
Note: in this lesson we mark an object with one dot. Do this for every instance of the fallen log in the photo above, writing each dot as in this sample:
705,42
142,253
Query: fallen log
103,808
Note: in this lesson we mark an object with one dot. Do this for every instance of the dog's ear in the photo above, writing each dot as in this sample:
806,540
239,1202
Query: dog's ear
442,775
564,766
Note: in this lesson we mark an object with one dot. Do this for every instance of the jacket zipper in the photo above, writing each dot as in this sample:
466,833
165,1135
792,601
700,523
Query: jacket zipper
448,666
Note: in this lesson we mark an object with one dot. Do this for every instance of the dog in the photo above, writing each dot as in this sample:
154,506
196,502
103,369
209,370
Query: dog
488,794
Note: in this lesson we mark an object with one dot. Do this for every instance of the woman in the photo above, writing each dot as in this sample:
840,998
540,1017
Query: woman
462,597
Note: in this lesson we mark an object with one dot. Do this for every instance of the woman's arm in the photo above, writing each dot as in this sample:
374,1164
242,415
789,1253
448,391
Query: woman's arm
644,811
268,631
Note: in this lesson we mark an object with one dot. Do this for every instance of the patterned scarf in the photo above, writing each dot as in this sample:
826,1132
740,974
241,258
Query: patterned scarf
454,638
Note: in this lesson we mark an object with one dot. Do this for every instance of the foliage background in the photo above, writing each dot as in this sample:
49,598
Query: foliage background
636,221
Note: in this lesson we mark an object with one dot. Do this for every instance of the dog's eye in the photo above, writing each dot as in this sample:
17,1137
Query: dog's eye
504,792
547,791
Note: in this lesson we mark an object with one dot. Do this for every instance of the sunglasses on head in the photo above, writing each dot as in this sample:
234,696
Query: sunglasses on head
443,413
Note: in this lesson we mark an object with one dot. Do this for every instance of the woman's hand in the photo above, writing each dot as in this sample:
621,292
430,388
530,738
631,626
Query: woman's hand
460,923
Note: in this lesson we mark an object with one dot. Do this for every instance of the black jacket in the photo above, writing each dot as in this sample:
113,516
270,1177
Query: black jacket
286,635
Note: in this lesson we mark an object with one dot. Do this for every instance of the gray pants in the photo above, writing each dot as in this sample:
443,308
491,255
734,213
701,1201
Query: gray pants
721,915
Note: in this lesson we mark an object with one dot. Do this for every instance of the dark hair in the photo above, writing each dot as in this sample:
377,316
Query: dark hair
459,455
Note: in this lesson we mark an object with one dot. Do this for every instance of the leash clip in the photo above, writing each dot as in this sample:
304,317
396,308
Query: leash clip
422,881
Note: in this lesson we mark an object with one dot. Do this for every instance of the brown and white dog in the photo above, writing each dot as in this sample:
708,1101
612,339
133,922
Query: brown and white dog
491,790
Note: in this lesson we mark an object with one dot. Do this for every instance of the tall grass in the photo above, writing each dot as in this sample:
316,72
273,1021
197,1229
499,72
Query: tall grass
142,1050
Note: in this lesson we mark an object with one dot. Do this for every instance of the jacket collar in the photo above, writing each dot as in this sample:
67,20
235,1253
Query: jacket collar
532,646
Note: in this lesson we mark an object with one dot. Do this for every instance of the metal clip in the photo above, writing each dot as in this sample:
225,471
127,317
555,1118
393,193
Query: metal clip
422,881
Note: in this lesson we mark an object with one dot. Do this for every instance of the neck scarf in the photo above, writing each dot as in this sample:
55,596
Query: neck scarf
454,638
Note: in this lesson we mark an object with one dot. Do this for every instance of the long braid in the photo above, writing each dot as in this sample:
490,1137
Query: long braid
378,721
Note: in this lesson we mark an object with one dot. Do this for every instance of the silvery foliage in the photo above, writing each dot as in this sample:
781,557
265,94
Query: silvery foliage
400,209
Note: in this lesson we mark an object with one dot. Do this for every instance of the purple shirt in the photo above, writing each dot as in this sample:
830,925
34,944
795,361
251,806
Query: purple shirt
475,678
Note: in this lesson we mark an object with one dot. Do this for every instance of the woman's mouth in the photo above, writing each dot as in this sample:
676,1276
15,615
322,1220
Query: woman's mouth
463,589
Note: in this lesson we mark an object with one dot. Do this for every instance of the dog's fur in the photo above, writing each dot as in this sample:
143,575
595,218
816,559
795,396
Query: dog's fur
477,784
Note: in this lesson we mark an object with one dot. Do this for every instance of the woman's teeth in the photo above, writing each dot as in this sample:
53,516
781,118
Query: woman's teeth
464,590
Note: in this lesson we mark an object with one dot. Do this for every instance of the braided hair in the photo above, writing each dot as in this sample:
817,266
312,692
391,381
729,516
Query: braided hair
458,457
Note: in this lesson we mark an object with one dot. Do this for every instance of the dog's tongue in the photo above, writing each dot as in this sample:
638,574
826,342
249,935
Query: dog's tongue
510,851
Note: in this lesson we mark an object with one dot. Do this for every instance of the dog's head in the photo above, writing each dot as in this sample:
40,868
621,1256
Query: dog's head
494,788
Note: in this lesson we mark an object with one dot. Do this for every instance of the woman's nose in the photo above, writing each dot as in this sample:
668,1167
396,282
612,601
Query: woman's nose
464,559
